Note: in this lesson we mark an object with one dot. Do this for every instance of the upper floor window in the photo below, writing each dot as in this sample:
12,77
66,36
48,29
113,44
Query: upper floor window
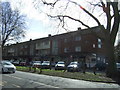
26,46
99,40
46,43
99,43
65,40
22,47
99,46
93,45
66,50
78,49
98,58
77,38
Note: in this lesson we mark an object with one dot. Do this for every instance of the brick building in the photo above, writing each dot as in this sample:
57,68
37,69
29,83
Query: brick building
83,44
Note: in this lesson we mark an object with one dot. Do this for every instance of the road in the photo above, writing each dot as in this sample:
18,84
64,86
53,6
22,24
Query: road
31,80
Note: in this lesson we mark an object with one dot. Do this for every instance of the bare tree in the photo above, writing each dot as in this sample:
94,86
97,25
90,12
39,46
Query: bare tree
12,24
107,8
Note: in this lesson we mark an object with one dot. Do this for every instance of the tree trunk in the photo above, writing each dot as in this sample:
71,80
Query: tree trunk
111,67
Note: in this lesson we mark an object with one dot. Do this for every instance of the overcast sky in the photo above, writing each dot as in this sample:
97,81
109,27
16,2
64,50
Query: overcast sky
38,25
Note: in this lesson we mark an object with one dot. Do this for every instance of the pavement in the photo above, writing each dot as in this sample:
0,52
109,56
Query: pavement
57,82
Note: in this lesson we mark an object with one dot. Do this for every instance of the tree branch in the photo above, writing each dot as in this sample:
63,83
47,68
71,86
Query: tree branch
66,16
108,16
51,4
87,12
95,4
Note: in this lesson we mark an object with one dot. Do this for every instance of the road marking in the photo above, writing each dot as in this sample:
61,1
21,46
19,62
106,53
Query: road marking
2,83
16,85
44,84
17,77
14,77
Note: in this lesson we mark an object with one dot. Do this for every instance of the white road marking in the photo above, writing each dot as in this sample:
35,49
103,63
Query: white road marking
44,84
16,85
14,77
30,81
2,83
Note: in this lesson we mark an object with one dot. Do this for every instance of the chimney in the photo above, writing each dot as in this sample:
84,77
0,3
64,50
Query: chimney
79,28
49,35
30,39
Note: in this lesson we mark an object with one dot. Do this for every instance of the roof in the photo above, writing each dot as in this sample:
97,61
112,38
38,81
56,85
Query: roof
80,31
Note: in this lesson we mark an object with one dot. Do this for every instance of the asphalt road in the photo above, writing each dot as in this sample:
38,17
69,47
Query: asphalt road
30,80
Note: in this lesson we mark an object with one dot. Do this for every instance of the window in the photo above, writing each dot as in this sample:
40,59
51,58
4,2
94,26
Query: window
99,40
93,45
26,46
77,38
98,58
46,43
99,43
99,46
22,47
66,50
65,40
78,49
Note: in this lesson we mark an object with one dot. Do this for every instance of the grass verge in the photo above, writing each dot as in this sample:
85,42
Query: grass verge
89,76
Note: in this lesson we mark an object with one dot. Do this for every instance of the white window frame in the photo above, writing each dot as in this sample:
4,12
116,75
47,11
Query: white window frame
99,40
78,49
94,45
99,46
66,50
77,38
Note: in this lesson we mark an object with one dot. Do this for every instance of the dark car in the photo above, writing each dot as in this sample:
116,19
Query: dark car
74,67
60,65
23,63
100,66
45,65
118,66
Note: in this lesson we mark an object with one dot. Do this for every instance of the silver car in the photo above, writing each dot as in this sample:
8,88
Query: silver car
60,65
7,67
74,66
37,63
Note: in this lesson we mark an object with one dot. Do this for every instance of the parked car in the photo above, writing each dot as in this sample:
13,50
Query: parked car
53,64
16,63
60,65
37,63
45,65
74,67
118,66
22,63
7,67
100,66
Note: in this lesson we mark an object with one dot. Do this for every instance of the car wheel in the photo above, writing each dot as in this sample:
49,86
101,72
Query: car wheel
13,71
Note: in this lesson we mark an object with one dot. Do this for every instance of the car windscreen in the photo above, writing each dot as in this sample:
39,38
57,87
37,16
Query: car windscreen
73,63
60,63
38,62
6,63
46,62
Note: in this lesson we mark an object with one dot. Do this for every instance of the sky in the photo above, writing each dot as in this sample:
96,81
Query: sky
38,25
